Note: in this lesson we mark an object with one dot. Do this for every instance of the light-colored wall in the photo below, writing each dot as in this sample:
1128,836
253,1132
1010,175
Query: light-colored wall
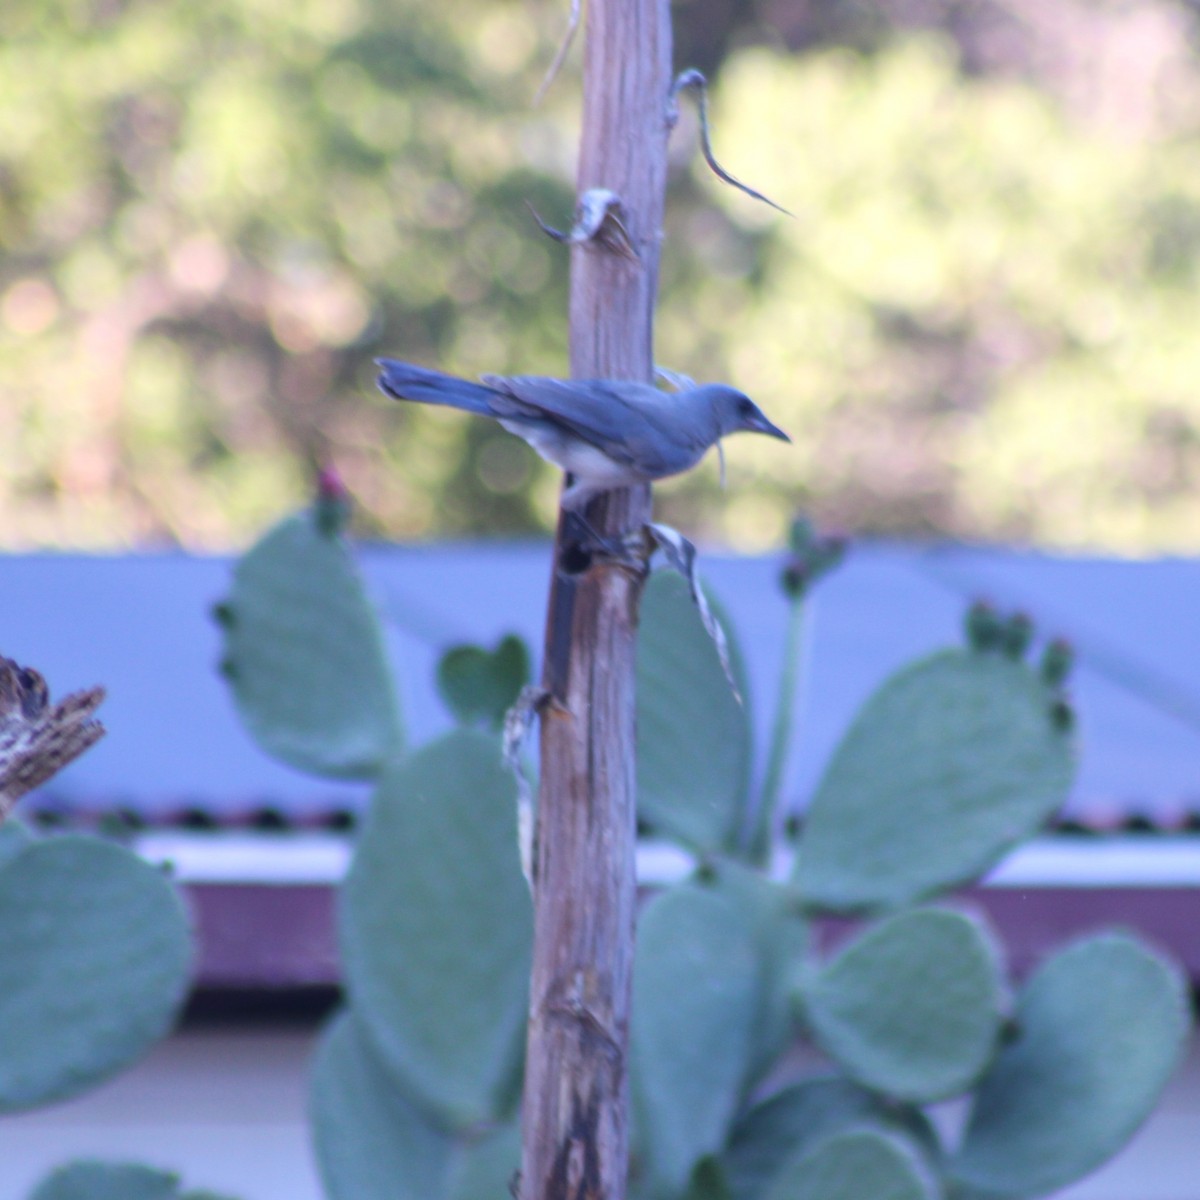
226,1109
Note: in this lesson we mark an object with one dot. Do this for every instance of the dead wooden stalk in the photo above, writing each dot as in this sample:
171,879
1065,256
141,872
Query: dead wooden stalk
576,1102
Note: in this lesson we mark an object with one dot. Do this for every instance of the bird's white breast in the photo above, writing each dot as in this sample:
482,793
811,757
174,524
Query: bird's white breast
580,458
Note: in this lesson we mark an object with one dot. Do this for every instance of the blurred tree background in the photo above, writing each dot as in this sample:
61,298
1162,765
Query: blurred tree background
982,321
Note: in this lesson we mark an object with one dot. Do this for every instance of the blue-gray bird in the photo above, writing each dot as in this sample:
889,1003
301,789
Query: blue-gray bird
604,433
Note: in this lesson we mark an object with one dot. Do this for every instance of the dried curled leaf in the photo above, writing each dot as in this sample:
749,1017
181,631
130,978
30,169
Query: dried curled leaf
599,218
693,80
681,555
518,722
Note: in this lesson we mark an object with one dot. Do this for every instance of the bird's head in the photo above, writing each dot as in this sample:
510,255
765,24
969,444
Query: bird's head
737,413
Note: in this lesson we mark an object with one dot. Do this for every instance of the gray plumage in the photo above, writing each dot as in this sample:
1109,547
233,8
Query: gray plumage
604,433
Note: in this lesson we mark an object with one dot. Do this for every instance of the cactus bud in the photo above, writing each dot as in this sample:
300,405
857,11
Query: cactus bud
332,506
794,579
1062,715
812,555
1015,635
985,630
801,536
222,613
1057,661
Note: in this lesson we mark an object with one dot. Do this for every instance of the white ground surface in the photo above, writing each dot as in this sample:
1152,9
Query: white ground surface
227,1111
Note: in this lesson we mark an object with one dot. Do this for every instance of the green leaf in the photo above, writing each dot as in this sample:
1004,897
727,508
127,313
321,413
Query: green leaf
913,1006
486,1169
952,762
1101,1027
955,1189
436,928
94,963
693,737
696,997
372,1141
91,1180
304,654
853,1165
790,1122
481,686
779,935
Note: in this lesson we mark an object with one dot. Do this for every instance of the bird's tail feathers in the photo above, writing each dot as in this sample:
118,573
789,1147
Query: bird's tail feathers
407,381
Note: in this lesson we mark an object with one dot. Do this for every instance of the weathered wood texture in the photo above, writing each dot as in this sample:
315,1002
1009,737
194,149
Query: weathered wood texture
575,1113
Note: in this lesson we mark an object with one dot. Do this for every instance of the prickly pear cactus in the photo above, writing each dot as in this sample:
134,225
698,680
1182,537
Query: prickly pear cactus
375,1142
854,1163
693,750
912,1007
794,1119
436,929
416,1082
480,686
697,995
1099,1029
95,955
89,1179
304,652
950,764
95,948
955,760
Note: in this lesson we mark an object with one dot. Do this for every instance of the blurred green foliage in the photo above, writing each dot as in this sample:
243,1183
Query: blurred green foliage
212,217
980,317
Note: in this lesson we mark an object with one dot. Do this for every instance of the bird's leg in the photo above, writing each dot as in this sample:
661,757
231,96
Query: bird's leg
585,545
583,535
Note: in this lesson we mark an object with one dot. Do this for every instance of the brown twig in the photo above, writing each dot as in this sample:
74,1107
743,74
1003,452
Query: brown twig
37,741
575,1117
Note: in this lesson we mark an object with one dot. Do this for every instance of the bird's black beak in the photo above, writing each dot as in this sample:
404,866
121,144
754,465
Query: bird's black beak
762,425
382,382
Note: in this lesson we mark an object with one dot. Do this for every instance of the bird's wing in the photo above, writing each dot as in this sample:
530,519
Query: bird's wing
632,423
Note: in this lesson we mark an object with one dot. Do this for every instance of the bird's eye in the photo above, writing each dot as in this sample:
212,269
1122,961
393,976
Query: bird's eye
745,406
